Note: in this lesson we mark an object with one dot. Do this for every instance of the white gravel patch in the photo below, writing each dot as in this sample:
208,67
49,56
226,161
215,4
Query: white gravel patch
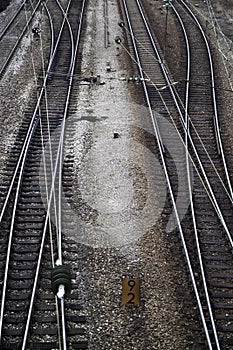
106,174
118,195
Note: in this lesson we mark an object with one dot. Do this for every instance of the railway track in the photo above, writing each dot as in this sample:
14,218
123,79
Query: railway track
215,244
32,317
15,30
193,110
34,251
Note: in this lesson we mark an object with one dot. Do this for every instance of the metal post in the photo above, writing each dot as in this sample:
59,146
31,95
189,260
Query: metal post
166,5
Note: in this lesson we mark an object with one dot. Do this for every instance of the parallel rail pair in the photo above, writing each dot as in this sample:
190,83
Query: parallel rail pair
31,242
192,110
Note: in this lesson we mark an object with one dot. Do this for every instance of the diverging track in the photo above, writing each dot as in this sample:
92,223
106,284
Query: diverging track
32,246
205,233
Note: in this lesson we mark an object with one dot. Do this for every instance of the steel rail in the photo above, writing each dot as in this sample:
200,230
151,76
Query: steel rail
155,124
106,24
52,32
8,59
51,52
213,89
191,201
20,164
210,190
71,35
218,31
192,276
65,116
33,120
12,20
187,94
172,90
11,235
59,166
170,85
51,27
56,168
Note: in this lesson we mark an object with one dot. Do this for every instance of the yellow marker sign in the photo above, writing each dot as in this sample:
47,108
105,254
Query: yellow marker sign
130,291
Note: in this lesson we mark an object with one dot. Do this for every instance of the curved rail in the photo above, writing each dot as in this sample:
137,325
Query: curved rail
188,140
187,92
167,176
209,186
216,116
20,168
170,85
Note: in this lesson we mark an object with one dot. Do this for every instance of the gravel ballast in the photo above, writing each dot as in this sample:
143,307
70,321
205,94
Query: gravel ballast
113,179
108,177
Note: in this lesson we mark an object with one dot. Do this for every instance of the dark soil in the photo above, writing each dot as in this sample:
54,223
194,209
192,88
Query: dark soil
4,4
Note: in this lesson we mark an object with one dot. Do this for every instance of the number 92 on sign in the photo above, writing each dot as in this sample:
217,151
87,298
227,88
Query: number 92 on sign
130,291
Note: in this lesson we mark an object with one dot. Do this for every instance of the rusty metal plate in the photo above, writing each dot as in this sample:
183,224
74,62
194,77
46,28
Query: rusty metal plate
130,291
